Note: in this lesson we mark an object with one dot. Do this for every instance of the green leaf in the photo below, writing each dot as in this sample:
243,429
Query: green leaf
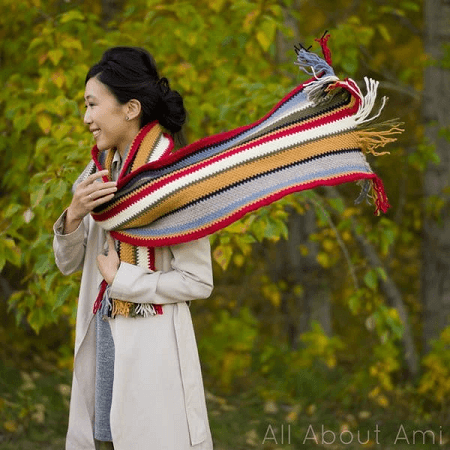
73,14
42,144
384,32
55,56
49,280
371,279
43,264
2,260
266,33
337,204
12,253
11,210
37,195
21,121
62,294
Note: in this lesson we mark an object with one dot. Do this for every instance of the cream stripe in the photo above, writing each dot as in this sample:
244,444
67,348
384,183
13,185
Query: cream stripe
327,129
142,253
161,147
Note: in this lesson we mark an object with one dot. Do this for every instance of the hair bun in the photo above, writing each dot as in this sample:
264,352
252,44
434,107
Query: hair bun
163,84
172,114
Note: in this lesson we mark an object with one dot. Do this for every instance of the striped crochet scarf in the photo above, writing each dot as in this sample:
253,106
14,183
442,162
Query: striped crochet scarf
314,136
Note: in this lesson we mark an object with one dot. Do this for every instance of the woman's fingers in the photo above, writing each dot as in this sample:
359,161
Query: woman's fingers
99,201
95,176
104,189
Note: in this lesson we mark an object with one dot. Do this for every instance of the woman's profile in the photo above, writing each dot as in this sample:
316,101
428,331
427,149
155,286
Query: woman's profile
137,381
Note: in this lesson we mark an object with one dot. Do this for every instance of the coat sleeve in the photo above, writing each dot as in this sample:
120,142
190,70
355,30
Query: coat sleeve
69,249
190,278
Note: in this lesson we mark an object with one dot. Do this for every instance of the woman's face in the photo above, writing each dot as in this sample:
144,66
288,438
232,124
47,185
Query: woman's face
106,117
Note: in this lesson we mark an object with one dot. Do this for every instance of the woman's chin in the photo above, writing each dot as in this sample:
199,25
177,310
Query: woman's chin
102,146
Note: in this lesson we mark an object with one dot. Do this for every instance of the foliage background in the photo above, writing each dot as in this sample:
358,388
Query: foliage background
265,359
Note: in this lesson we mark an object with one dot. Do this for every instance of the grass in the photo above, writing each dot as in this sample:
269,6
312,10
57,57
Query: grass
34,407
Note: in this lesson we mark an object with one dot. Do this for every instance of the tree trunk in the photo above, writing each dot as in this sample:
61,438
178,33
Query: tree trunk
307,297
394,298
436,229
110,8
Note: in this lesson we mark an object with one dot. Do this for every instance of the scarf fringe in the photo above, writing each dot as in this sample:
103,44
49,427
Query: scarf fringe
130,309
122,308
317,91
379,196
316,65
145,309
373,189
375,137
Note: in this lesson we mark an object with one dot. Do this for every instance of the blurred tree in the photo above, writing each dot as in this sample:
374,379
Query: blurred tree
436,188
305,295
111,9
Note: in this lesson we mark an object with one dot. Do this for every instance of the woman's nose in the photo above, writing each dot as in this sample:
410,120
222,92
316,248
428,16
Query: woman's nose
87,117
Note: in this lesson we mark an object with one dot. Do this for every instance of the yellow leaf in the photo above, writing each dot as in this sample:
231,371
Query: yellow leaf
73,14
266,34
263,40
45,122
270,407
58,78
71,43
55,56
384,32
222,255
249,20
239,260
323,259
11,426
216,5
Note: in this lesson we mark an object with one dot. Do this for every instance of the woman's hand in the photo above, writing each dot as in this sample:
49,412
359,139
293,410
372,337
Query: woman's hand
109,264
88,195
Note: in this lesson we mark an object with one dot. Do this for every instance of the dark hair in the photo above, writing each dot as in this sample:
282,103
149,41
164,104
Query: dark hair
131,73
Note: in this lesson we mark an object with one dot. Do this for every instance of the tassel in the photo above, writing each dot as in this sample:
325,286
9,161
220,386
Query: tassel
145,309
318,91
364,194
323,41
372,138
379,196
314,62
98,300
121,308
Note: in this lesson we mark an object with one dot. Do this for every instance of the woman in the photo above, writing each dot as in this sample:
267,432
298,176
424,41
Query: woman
137,381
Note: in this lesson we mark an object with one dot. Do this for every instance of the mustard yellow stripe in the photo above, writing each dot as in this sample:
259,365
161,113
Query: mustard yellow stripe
109,160
222,180
315,117
147,146
127,253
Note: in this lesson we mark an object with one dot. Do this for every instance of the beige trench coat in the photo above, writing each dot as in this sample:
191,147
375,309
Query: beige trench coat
158,397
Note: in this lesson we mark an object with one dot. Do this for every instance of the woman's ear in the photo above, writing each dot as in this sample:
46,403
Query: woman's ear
133,109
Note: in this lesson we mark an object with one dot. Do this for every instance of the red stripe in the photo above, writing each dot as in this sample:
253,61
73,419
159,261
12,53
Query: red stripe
214,139
136,144
151,258
216,226
162,162
154,185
